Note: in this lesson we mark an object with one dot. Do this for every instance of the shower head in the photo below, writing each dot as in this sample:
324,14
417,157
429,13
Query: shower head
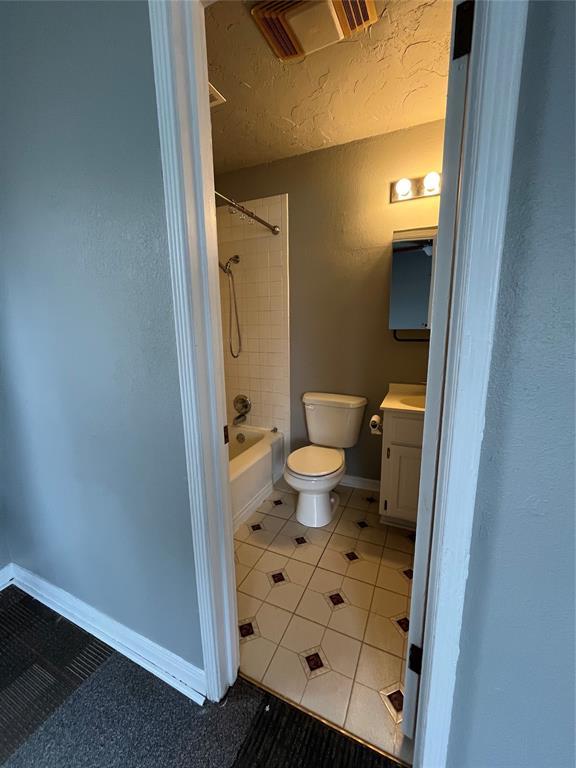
226,267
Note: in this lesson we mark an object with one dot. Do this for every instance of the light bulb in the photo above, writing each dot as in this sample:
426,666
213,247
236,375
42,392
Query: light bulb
432,182
403,187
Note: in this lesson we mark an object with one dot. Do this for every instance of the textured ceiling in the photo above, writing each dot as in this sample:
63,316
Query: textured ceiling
391,77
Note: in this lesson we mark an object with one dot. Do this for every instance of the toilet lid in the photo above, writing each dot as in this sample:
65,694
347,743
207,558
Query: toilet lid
315,461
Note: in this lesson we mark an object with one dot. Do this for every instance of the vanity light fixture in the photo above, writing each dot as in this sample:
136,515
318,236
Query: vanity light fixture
411,189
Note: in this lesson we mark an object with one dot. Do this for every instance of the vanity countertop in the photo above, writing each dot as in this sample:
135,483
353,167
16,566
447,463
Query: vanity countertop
405,397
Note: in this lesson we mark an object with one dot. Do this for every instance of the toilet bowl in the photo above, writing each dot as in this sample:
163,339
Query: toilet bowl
314,471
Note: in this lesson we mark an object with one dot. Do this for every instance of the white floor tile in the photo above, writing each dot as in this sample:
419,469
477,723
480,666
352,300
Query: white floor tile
285,595
286,675
381,633
349,620
314,606
241,571
363,570
299,573
393,580
255,657
392,558
302,634
341,651
272,622
358,592
247,554
368,718
366,500
401,539
270,562
370,552
387,603
325,581
328,696
378,669
247,606
332,560
255,584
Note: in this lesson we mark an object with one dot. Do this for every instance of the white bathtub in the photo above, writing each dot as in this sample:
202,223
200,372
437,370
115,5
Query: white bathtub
256,462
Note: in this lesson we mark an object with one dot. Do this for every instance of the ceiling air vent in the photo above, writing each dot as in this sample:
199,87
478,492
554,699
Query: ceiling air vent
215,96
296,28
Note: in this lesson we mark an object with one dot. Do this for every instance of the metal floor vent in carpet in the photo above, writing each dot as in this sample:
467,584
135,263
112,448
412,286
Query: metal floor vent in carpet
43,659
282,736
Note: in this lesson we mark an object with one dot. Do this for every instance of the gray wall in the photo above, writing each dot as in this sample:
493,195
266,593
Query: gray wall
341,226
95,487
514,703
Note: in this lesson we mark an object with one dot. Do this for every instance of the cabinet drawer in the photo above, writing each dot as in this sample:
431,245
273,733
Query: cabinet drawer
404,429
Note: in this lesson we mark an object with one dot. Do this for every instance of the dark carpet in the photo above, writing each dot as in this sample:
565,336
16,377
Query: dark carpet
96,709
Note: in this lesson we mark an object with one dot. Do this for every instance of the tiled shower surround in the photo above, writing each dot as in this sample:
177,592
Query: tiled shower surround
262,370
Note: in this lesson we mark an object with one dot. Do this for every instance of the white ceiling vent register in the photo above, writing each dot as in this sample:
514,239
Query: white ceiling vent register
215,96
296,28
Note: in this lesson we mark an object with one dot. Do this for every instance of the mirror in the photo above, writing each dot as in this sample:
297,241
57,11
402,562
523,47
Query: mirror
412,259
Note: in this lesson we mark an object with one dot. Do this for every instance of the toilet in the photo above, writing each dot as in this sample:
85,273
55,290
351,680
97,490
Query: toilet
333,423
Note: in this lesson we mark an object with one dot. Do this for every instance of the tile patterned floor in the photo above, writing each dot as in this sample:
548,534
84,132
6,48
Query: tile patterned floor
323,612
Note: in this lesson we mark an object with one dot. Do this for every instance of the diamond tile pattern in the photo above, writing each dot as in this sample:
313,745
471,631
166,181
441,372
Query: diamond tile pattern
330,619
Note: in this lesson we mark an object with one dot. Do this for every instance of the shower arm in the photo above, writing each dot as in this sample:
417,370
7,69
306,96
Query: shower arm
272,227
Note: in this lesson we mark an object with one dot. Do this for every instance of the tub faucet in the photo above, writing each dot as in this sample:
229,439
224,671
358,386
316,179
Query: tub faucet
240,419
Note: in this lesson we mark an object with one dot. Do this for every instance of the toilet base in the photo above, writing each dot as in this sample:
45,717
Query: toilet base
315,510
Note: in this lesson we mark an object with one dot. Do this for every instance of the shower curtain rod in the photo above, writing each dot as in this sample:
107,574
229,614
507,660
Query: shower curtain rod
272,227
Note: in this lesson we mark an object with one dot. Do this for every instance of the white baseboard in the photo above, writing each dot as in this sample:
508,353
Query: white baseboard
6,575
361,482
174,670
248,509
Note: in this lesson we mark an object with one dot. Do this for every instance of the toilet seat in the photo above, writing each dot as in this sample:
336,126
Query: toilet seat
315,461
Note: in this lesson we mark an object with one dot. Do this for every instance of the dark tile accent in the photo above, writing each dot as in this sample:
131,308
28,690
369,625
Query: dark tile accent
409,573
336,598
403,623
300,540
371,499
256,527
314,662
277,502
362,524
278,578
246,629
396,698
351,556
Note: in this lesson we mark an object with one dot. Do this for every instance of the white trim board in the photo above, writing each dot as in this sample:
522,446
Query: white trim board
366,483
174,670
181,80
6,575
488,146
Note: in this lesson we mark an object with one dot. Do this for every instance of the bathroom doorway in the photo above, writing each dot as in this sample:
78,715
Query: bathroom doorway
488,28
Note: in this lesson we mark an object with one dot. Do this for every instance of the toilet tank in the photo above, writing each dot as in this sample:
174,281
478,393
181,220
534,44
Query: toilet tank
333,420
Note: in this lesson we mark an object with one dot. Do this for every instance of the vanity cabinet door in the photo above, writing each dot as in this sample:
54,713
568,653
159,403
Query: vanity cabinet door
403,481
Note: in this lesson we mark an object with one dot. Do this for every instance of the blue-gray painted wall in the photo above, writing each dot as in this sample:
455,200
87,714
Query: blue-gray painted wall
514,705
94,476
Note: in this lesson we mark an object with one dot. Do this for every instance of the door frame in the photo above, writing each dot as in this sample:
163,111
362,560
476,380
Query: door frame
180,68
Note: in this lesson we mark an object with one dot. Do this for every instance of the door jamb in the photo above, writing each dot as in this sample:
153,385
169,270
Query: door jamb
179,54
494,76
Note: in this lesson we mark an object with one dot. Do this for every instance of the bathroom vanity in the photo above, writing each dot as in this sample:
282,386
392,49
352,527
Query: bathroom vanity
402,426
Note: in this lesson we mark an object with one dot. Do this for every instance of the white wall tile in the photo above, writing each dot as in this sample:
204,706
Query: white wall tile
262,370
